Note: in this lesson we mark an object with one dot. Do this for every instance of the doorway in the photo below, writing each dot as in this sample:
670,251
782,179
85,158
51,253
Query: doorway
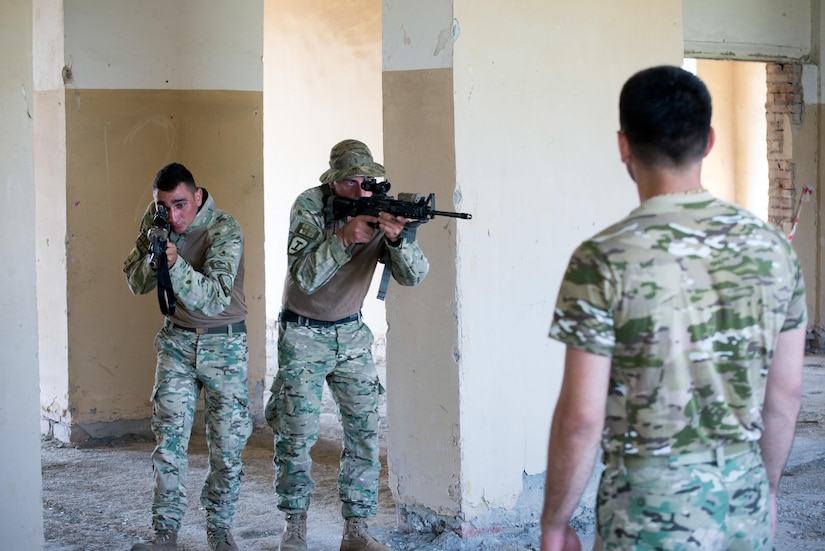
736,169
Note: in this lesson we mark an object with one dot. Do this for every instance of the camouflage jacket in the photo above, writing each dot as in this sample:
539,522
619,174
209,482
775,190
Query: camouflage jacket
687,295
207,278
327,281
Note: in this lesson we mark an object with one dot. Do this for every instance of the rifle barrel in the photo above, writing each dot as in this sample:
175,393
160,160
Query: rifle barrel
462,215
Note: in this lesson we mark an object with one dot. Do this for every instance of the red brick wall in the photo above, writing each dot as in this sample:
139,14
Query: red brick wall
784,113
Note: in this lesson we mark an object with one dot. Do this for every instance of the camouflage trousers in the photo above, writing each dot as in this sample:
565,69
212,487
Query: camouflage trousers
187,363
691,507
341,355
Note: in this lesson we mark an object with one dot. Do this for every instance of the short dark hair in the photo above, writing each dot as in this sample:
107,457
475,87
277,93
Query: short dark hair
173,174
665,113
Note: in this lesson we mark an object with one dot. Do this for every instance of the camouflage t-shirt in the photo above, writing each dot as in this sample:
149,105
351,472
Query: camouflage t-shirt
687,295
326,281
208,277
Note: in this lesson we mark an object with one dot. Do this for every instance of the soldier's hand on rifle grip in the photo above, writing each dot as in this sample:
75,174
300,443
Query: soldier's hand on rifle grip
392,225
357,230
171,253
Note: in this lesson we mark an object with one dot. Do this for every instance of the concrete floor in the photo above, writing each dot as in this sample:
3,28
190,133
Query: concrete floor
99,497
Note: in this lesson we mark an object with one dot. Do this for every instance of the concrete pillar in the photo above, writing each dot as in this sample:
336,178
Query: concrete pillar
141,88
507,111
21,509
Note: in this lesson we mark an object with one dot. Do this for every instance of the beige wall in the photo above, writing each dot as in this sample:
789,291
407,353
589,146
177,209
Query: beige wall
737,168
549,180
139,94
804,146
810,232
322,75
424,399
50,216
750,135
161,45
115,153
21,508
719,167
748,29
479,387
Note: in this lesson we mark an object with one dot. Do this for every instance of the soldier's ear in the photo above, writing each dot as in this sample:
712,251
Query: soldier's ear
199,197
711,141
624,147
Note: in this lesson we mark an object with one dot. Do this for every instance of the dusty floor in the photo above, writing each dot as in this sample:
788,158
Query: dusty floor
97,498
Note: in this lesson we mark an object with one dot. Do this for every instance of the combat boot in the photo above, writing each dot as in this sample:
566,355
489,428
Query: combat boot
220,539
294,537
165,540
357,537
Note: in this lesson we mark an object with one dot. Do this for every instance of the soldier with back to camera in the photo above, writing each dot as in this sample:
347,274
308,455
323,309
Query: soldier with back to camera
685,329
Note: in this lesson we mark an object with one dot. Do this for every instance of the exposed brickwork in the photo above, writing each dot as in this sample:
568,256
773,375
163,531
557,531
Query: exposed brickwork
784,114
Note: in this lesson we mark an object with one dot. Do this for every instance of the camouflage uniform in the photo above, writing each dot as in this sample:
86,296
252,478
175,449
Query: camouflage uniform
687,295
326,282
207,280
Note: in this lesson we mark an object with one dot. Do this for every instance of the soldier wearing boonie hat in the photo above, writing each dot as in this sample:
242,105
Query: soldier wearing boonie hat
351,158
322,338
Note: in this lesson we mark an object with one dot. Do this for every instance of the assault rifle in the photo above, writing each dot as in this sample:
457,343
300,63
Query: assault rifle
158,235
409,205
416,208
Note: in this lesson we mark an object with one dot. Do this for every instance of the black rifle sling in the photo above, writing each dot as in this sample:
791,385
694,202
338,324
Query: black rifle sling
385,277
166,296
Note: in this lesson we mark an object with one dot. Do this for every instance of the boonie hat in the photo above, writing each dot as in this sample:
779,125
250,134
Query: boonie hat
351,158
